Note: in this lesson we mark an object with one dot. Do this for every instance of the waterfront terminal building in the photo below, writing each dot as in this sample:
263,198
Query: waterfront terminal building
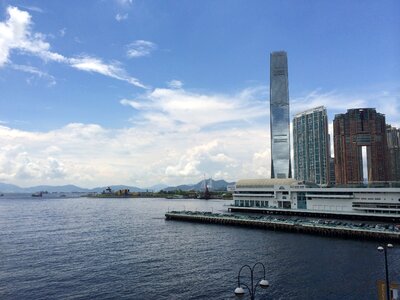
290,196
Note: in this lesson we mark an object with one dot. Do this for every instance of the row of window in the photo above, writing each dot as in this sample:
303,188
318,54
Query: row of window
251,203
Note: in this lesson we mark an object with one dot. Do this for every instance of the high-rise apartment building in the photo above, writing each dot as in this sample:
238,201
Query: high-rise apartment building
393,142
360,146
311,146
279,116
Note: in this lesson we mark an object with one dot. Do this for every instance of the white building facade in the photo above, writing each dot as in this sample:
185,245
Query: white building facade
298,195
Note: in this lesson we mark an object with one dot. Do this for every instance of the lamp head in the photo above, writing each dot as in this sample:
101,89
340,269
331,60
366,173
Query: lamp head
390,245
380,248
239,292
264,283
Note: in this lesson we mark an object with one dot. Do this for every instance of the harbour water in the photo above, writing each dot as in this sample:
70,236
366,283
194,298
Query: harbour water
81,248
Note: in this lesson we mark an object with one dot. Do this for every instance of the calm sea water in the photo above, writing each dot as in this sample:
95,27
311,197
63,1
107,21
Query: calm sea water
82,248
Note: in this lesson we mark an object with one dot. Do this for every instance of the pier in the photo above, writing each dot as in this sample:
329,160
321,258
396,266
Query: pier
318,227
387,218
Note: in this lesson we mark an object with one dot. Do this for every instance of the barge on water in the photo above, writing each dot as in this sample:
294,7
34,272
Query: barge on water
320,227
293,197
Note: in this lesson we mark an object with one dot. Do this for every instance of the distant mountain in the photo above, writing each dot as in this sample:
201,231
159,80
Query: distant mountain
214,185
157,187
10,188
69,188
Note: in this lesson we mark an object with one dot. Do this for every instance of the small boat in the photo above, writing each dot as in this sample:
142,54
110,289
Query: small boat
37,194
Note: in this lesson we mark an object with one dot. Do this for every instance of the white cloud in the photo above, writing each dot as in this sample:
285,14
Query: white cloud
121,17
33,8
130,156
62,32
140,48
34,71
175,84
125,2
134,104
197,111
16,35
333,100
96,65
164,145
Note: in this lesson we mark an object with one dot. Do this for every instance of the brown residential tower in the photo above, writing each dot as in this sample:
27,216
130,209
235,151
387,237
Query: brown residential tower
358,129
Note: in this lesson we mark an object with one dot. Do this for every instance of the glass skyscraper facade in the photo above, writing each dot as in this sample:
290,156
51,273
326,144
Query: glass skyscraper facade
279,116
311,146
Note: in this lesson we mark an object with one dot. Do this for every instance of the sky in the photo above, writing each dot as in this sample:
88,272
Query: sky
143,92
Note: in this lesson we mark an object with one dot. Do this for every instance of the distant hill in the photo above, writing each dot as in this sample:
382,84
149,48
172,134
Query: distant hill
69,188
214,185
157,187
10,188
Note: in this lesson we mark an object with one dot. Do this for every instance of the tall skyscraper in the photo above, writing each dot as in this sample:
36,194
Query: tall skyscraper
393,141
360,146
311,146
279,116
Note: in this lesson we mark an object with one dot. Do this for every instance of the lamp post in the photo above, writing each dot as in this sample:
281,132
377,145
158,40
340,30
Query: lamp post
263,283
384,249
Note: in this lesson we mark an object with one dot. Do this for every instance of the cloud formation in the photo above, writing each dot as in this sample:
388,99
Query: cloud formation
175,137
125,2
36,72
140,48
139,155
96,65
175,84
198,111
121,17
62,32
16,35
169,143
33,8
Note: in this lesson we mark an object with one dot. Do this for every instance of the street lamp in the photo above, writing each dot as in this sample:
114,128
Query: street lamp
384,249
263,283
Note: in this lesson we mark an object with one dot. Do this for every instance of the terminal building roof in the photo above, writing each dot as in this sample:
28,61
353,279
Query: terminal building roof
266,182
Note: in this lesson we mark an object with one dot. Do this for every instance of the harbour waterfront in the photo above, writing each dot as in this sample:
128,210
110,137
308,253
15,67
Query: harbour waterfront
81,248
300,225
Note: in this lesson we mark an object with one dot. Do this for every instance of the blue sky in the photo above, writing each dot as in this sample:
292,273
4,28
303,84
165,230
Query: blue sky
146,92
